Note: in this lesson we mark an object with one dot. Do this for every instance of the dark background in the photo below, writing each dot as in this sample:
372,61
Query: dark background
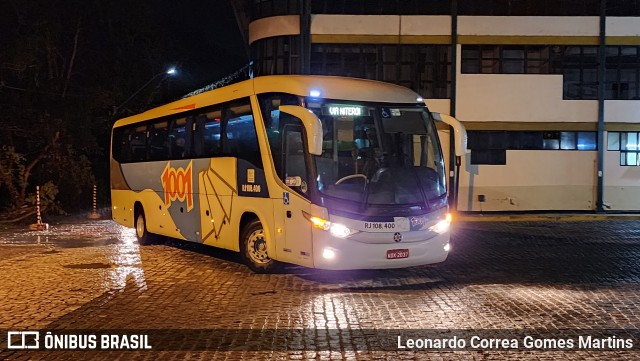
65,66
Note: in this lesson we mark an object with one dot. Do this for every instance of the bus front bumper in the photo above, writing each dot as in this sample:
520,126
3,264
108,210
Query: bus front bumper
332,253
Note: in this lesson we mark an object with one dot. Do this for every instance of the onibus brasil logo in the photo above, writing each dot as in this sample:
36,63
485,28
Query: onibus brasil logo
177,185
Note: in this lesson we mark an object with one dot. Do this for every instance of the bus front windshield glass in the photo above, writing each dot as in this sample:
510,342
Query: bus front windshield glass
379,154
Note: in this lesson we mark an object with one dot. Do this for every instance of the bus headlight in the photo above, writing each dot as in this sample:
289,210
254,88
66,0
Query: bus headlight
336,229
442,226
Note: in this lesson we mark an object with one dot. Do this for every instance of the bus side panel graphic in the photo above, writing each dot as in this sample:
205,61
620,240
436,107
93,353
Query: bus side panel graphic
177,185
215,197
170,210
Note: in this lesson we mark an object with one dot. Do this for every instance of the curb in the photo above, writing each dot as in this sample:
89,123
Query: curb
546,217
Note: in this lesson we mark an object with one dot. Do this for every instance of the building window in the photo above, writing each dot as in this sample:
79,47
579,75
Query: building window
577,64
381,7
266,8
423,68
623,72
490,146
628,144
276,55
489,156
623,8
529,7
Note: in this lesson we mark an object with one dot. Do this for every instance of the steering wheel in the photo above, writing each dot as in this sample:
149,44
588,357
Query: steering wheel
352,176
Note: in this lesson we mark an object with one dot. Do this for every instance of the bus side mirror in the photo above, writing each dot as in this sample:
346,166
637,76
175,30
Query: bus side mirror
312,126
459,133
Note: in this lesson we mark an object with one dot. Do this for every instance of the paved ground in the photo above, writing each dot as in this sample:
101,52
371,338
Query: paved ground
502,279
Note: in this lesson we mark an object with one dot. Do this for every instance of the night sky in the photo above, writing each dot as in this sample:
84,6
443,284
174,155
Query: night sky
208,36
69,68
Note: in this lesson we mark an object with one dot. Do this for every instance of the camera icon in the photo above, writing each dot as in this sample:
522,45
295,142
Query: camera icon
23,340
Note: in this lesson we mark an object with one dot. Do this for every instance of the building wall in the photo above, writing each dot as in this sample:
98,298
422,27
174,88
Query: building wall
519,98
529,179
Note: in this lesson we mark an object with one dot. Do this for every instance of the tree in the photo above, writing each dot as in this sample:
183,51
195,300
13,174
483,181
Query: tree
63,66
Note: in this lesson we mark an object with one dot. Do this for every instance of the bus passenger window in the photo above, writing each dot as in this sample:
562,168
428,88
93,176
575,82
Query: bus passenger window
241,139
294,162
269,107
159,141
177,138
210,134
121,148
138,144
198,136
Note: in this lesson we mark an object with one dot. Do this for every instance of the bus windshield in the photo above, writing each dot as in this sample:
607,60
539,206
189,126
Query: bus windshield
379,154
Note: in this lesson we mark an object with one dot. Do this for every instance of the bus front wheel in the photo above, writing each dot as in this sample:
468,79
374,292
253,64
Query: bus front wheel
143,235
254,248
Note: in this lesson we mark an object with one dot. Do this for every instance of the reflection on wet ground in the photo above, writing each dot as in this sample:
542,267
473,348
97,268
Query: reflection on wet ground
85,234
94,275
123,253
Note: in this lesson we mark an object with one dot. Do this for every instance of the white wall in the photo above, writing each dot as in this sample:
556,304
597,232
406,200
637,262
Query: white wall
425,25
622,111
529,25
439,105
274,26
623,26
621,183
355,24
531,180
519,98
380,25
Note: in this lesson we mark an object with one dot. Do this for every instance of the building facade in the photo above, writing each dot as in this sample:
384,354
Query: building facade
549,91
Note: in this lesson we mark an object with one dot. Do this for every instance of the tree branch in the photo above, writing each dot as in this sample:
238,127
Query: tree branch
32,164
73,57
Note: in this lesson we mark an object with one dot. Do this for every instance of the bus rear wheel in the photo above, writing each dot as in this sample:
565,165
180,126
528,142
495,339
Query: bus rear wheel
143,235
253,248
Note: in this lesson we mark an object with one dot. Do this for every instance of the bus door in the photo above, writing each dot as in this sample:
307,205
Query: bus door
297,229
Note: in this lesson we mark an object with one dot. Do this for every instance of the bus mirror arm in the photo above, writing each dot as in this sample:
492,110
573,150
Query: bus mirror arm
459,132
312,126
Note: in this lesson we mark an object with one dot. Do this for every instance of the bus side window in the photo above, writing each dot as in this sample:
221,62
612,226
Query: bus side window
177,138
240,130
121,148
159,141
198,135
269,108
138,144
209,133
294,155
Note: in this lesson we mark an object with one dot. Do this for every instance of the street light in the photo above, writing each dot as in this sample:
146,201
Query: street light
169,72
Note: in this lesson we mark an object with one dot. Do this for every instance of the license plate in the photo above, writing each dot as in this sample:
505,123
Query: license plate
397,253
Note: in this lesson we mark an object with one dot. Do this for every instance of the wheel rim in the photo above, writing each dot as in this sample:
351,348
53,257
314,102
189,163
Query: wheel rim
257,247
140,226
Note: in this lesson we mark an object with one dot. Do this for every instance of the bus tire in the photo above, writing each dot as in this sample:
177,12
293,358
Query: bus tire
253,248
142,234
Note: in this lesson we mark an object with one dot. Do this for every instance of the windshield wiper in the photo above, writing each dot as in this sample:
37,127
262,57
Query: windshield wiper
424,195
365,201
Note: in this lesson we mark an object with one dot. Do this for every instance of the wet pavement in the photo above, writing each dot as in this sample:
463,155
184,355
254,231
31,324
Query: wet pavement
502,280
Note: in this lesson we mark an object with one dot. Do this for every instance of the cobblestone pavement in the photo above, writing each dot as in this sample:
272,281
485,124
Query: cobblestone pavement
553,278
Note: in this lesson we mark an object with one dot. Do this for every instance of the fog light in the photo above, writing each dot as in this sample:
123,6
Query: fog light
447,247
328,253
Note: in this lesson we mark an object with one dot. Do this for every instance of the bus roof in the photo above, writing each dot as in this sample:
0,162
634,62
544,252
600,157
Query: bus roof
330,87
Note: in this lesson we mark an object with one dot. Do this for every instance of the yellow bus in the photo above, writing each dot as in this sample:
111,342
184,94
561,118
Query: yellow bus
324,172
